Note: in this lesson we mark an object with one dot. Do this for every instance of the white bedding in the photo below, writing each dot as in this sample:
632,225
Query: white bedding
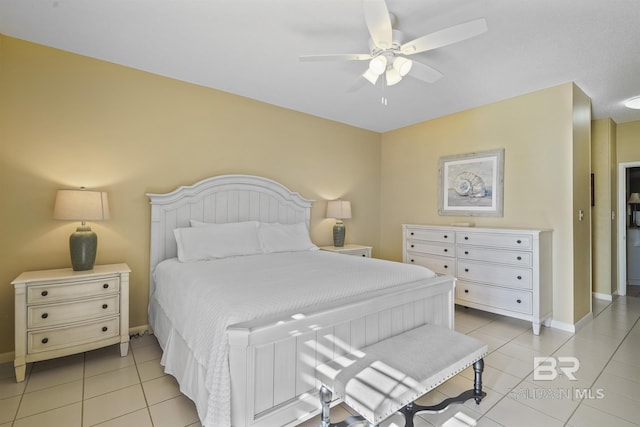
193,304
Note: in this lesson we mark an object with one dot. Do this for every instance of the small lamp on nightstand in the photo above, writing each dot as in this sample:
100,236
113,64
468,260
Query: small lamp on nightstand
633,202
82,205
339,209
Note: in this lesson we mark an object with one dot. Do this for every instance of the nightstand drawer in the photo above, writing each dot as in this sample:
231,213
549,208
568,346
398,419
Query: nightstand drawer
71,290
53,339
40,316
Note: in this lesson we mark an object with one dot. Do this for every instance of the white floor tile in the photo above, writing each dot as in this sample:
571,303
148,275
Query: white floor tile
110,381
587,416
8,408
50,398
139,418
112,405
48,375
67,416
175,412
508,412
161,389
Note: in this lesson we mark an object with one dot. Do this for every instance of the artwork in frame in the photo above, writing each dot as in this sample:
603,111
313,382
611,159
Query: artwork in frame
472,184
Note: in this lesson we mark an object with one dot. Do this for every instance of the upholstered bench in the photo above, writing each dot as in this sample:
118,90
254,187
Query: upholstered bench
387,377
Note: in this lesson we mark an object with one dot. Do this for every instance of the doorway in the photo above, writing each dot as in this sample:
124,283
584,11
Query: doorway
628,182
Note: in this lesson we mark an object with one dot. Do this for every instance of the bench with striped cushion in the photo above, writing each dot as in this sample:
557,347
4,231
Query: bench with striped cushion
387,377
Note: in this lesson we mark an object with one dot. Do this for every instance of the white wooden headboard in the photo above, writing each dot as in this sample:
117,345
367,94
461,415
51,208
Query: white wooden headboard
220,199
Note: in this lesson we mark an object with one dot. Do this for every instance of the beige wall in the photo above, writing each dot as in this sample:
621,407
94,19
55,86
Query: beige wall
603,166
628,142
537,133
581,203
67,120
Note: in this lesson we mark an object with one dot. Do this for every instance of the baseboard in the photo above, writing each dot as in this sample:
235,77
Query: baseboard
7,357
575,327
603,297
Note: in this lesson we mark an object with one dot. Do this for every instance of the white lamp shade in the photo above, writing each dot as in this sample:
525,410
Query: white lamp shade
339,209
370,76
81,205
378,65
402,65
634,198
393,76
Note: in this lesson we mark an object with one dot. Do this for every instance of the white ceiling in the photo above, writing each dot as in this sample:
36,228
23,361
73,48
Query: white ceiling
251,48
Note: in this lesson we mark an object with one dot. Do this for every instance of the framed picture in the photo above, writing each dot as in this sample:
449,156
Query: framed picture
472,184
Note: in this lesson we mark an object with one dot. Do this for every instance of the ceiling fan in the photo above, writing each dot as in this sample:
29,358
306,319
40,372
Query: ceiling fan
387,52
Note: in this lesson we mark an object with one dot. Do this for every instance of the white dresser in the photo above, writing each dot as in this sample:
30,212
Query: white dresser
504,271
62,312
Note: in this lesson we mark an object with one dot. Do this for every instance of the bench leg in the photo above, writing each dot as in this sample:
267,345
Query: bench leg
476,393
325,416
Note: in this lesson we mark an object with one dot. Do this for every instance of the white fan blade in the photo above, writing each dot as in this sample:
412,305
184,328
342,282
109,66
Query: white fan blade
337,57
378,21
424,72
445,37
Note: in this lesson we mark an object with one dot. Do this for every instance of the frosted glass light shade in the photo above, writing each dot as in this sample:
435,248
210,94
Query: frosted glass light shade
634,198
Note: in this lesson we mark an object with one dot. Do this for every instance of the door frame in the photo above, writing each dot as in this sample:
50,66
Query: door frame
622,225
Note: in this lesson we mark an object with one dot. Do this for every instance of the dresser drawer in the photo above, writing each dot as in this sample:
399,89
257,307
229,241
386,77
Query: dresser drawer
431,248
442,236
71,290
53,339
502,240
437,264
523,259
495,274
493,296
39,316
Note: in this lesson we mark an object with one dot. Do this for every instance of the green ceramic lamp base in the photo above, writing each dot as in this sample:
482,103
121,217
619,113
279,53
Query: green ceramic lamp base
83,245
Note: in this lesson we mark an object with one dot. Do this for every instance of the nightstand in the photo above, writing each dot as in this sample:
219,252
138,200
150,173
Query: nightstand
62,312
358,250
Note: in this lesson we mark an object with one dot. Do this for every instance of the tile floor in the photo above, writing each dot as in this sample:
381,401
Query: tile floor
101,388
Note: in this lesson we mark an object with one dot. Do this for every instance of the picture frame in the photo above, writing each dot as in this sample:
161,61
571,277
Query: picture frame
472,184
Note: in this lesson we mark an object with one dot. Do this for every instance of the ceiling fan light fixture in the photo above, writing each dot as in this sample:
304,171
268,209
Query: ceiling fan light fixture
402,65
378,65
633,103
393,76
371,76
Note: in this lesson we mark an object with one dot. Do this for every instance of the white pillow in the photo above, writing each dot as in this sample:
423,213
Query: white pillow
212,241
276,237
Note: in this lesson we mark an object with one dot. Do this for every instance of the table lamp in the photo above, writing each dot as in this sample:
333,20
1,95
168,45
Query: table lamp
82,205
338,209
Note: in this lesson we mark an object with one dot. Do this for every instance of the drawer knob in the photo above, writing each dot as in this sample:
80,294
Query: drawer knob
45,340
364,255
519,277
519,258
519,301
466,291
446,266
412,261
105,286
104,329
466,237
412,233
466,270
466,252
518,241
446,237
412,246
44,293
446,250
45,315
105,306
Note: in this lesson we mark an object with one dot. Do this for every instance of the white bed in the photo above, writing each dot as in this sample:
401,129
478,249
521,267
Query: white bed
251,362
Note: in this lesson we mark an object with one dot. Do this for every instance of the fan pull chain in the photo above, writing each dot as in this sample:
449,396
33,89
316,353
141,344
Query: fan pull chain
383,101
